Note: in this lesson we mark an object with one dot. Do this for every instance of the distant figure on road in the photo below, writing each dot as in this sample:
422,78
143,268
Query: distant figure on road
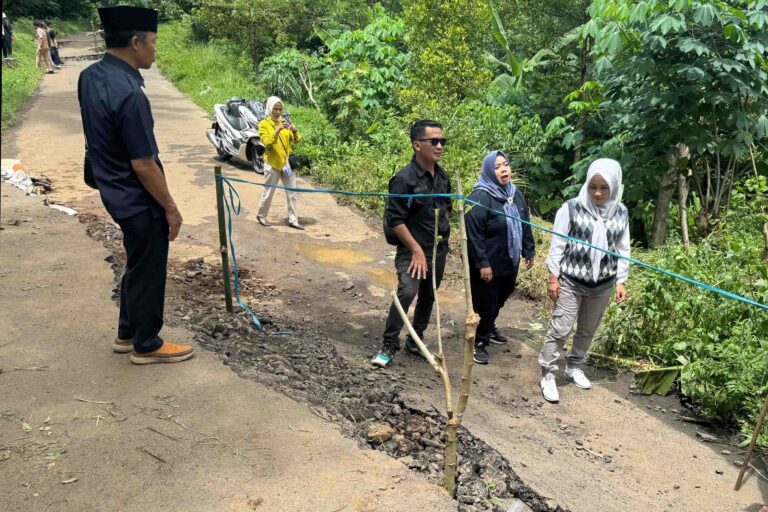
53,43
8,38
412,223
581,278
122,154
43,56
278,134
496,245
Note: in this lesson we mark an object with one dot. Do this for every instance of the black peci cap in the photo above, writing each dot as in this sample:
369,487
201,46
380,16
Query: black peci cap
125,18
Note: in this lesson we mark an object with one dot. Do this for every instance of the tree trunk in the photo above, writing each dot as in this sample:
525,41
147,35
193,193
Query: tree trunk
470,327
765,238
664,197
682,189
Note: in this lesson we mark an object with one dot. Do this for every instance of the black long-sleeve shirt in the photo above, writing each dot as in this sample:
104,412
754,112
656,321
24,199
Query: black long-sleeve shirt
418,213
487,233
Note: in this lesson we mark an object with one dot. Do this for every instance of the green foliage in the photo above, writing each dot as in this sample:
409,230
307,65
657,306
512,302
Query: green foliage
207,73
42,9
19,81
265,27
447,40
283,73
685,72
722,343
363,70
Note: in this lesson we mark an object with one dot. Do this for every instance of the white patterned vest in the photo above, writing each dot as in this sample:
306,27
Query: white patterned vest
576,261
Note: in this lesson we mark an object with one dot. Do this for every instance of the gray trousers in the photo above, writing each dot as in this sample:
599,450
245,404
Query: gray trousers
577,304
273,176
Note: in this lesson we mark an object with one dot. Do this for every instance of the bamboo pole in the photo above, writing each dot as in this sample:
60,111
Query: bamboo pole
752,443
472,319
223,238
439,364
470,327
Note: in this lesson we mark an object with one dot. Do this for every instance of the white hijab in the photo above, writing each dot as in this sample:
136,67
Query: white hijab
271,102
610,170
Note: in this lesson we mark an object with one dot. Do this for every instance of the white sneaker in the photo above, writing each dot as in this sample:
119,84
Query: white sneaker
578,378
549,388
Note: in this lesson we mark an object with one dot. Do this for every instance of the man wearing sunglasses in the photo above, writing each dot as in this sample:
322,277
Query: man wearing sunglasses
412,224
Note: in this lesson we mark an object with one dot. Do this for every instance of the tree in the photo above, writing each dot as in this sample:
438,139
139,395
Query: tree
447,40
684,72
363,70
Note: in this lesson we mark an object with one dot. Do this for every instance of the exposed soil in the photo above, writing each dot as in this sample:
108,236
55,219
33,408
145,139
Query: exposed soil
300,362
606,449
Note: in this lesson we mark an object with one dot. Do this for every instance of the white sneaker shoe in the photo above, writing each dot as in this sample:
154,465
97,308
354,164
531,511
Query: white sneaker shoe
549,388
578,378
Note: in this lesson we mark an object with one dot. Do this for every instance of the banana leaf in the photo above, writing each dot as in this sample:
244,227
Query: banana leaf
658,380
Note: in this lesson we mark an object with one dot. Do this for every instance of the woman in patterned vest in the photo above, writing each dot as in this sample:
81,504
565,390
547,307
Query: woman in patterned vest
581,277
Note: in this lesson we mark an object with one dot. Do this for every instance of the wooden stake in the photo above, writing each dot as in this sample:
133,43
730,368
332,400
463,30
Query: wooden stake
470,326
223,238
752,443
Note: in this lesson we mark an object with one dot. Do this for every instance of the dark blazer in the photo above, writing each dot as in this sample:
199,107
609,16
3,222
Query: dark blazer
487,233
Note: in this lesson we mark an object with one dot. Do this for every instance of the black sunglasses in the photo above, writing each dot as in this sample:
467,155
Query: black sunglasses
435,141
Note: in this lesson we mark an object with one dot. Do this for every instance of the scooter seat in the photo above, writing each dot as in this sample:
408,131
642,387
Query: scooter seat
237,122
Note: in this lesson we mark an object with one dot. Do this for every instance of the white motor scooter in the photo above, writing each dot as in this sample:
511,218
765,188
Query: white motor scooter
235,132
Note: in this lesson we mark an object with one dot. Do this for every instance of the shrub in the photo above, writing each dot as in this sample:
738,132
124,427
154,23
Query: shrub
20,80
721,343
207,73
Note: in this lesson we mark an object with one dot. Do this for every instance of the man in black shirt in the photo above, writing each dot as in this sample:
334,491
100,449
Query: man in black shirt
126,168
413,222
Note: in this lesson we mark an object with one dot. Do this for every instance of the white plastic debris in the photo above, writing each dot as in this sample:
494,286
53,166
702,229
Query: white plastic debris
15,174
65,209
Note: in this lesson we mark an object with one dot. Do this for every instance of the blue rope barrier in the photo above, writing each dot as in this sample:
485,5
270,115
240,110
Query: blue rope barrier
227,180
232,206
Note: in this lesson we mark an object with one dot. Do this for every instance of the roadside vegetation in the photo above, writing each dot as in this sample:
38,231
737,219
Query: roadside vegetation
20,78
677,91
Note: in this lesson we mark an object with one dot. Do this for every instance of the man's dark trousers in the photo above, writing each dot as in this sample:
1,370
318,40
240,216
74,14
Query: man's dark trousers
7,48
407,289
142,289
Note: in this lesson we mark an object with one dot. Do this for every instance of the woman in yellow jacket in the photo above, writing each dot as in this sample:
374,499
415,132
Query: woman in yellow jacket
278,135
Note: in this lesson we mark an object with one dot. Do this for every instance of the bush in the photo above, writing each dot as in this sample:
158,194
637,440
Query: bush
721,343
20,80
207,73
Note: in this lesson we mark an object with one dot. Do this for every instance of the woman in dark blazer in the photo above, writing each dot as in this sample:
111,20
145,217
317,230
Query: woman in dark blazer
496,244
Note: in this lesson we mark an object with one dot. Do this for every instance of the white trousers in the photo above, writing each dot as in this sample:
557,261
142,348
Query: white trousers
273,176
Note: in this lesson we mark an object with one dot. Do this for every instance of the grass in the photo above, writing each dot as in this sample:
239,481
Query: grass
206,73
19,81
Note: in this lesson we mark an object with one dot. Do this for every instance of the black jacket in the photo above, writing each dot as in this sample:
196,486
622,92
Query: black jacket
487,233
418,213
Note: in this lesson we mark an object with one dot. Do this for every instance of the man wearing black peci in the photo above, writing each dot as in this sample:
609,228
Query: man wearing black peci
122,162
412,225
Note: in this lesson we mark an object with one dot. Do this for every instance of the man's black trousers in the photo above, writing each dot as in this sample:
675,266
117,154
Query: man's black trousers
488,299
407,289
142,289
7,47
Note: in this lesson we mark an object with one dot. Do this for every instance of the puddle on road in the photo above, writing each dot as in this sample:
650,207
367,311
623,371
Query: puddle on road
384,276
336,256
345,257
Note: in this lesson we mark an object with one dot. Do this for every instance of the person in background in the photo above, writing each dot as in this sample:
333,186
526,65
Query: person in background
581,278
8,38
412,221
279,135
43,56
496,245
53,43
